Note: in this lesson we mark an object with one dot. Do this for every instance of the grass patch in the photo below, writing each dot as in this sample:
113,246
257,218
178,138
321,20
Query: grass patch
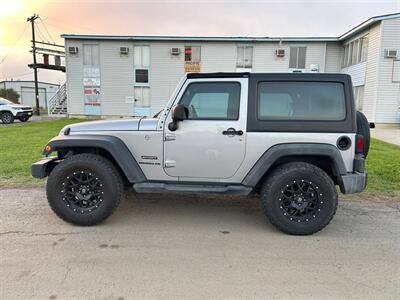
383,167
22,144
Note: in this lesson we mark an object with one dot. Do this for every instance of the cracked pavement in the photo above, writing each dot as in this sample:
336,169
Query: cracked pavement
195,247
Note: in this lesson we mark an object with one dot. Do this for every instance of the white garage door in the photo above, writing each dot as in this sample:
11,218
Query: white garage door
28,97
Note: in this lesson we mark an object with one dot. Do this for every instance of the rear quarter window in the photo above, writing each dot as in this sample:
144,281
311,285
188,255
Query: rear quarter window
301,101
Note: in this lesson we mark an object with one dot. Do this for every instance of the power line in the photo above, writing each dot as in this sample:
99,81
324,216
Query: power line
65,26
48,33
41,35
20,75
16,42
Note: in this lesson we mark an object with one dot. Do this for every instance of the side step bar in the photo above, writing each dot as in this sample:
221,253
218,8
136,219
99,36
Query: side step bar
155,187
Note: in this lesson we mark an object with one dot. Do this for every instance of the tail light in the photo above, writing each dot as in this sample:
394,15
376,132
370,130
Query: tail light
359,143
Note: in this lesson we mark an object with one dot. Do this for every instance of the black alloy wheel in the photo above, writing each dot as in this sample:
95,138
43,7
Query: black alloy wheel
300,200
82,191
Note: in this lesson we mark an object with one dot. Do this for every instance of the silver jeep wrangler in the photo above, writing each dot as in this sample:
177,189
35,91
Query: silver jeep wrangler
287,138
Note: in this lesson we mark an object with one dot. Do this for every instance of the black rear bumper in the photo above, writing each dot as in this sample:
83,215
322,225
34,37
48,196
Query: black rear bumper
43,167
353,183
357,181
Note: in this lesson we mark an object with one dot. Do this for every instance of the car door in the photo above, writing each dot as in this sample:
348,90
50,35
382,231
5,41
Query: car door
211,143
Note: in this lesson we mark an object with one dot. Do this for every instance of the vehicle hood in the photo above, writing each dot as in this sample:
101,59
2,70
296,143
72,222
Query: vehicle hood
114,125
18,106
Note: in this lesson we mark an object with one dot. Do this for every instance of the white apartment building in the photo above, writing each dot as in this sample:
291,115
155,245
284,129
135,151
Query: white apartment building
135,75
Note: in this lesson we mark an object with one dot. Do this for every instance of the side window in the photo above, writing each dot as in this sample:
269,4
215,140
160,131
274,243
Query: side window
305,101
212,100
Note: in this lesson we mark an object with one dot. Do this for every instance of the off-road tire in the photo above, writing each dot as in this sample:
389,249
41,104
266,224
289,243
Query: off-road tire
7,117
111,182
363,129
24,118
277,182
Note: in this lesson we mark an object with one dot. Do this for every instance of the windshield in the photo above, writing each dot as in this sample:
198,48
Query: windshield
4,101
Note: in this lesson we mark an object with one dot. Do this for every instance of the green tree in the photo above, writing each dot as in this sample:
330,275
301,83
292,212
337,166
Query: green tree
9,94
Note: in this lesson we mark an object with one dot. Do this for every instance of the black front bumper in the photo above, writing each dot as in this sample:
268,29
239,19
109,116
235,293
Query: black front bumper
27,113
43,167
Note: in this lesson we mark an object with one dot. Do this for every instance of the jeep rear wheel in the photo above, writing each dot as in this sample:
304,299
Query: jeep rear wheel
84,189
299,198
7,117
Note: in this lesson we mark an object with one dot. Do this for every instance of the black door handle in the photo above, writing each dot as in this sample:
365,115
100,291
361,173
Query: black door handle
232,131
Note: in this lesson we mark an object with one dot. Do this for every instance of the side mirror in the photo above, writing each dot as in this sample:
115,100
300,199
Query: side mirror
179,113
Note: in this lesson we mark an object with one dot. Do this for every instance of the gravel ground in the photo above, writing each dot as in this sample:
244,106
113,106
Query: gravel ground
189,247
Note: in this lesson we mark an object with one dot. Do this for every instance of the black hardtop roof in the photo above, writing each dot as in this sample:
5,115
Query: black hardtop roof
277,75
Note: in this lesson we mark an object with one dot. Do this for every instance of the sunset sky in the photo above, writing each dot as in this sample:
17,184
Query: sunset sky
173,17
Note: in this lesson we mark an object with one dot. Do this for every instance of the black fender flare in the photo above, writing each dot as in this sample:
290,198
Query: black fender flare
113,145
276,152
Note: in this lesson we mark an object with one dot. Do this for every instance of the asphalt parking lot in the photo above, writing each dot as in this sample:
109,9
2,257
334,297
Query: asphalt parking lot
189,247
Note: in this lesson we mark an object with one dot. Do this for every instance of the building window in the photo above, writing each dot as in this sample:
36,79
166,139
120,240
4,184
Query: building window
192,54
297,58
364,48
345,55
348,60
244,57
354,54
142,64
142,76
91,55
355,51
359,96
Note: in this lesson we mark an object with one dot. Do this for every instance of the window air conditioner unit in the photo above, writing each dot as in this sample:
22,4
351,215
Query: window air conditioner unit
124,50
73,50
390,53
314,68
280,52
175,51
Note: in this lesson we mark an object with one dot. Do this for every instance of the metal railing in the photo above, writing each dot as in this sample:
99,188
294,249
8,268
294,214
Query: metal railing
57,105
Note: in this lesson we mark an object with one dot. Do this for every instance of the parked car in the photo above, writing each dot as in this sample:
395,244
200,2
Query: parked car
10,111
286,138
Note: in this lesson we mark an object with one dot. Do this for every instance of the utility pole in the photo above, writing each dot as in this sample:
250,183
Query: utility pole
32,20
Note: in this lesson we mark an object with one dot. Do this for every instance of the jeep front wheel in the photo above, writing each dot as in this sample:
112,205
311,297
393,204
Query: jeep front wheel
84,189
299,198
7,117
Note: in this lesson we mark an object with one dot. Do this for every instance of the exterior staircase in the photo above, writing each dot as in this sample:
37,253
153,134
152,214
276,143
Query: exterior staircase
57,106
